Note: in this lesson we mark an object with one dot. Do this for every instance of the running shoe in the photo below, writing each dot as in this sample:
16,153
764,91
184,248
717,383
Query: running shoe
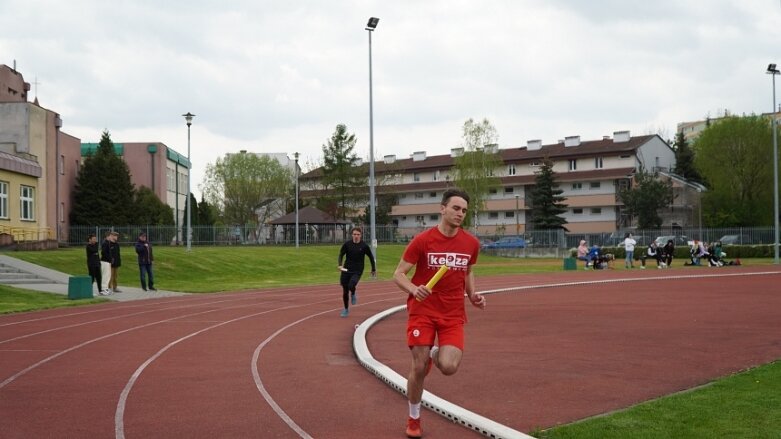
345,313
413,428
354,299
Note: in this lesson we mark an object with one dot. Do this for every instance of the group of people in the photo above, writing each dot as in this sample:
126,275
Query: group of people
436,313
596,259
711,253
103,262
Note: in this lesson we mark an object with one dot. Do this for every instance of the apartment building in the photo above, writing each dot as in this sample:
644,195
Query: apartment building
589,172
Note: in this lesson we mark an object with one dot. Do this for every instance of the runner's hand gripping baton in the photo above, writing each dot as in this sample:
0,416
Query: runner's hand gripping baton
441,272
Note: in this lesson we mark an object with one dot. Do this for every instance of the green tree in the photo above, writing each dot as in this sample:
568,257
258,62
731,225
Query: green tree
684,159
150,210
547,203
104,194
240,183
646,197
207,214
194,217
475,169
341,171
735,159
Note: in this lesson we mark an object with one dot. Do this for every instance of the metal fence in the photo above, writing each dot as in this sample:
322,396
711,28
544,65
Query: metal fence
336,233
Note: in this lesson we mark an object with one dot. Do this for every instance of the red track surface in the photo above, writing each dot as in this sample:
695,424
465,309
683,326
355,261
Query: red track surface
279,363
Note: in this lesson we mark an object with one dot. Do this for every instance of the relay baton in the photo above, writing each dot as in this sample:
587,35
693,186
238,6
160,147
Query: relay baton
436,278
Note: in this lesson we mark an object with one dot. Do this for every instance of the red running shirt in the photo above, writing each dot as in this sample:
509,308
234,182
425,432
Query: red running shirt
429,251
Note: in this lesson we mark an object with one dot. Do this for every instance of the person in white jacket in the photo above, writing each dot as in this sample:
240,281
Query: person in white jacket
629,246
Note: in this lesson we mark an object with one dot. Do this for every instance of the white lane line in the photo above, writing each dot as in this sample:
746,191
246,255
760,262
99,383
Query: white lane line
455,413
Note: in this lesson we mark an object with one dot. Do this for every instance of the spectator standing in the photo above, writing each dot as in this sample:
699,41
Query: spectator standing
629,246
116,262
93,262
145,258
105,264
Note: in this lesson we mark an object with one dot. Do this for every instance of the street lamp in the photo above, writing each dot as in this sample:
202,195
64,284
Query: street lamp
517,220
773,71
370,26
189,118
296,156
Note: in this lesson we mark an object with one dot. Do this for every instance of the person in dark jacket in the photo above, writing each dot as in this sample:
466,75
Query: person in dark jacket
93,262
105,264
145,258
354,250
668,253
116,262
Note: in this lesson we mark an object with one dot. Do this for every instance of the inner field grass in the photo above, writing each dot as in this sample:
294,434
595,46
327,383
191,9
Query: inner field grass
19,300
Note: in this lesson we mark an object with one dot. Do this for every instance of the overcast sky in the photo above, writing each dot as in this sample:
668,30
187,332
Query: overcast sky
278,76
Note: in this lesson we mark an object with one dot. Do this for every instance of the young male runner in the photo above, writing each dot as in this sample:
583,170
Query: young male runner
354,250
437,314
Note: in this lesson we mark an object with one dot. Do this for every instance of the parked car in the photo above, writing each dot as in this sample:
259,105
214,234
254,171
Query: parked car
735,239
617,240
678,240
484,242
507,242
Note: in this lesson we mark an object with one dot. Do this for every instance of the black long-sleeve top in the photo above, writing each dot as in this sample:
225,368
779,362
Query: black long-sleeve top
355,253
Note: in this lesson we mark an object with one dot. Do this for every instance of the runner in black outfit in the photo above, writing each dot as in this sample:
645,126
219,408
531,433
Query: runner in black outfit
355,250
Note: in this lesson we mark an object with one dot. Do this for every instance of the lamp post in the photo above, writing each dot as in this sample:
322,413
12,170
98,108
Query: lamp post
370,26
296,156
59,170
189,118
517,220
773,71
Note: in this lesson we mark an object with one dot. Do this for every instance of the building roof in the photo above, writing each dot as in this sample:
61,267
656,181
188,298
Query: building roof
19,165
308,215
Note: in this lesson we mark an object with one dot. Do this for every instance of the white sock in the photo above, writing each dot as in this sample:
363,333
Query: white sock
414,410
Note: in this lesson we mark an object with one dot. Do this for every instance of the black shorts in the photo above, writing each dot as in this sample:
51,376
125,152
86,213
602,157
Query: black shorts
350,279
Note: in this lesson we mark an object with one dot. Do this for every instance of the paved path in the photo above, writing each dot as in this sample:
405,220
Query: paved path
59,282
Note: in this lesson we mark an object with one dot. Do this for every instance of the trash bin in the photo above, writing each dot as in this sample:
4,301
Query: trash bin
79,287
570,264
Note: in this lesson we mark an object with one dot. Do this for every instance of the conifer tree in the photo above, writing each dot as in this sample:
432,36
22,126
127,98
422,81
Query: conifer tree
104,194
547,202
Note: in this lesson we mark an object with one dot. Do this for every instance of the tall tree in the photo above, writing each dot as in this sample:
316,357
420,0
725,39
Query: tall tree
684,159
475,170
340,170
547,203
207,214
104,194
150,210
734,157
194,217
646,197
240,183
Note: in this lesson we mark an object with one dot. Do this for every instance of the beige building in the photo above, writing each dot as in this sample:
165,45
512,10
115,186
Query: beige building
589,172
38,165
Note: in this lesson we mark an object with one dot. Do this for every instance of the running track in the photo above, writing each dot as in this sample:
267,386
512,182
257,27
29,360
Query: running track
279,363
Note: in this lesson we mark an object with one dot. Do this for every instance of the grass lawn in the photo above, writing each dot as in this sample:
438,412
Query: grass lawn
746,405
18,300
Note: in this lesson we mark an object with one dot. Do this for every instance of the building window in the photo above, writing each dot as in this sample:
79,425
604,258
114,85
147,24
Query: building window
492,191
3,199
598,163
418,194
534,164
596,211
436,175
578,211
419,218
511,170
573,165
623,184
493,215
577,186
61,165
432,194
27,201
433,217
61,213
626,156
403,196
416,177
509,214
595,185
509,190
